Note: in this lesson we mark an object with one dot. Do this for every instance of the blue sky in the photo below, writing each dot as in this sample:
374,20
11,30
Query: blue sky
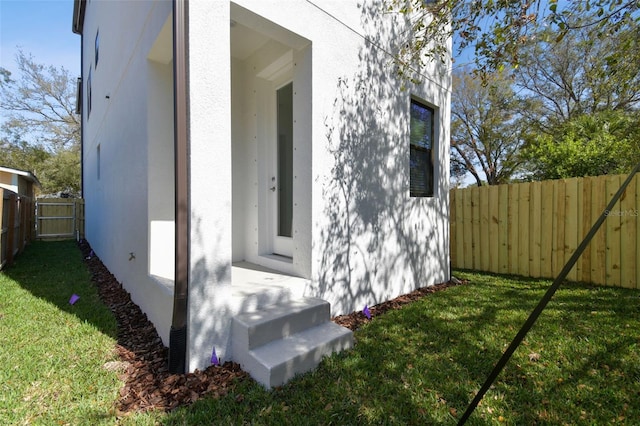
41,28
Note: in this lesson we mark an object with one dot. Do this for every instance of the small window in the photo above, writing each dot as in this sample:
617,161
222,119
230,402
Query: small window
79,96
421,150
97,47
89,94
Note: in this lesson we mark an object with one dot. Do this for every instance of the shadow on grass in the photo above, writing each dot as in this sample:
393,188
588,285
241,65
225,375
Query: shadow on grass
53,271
422,364
579,362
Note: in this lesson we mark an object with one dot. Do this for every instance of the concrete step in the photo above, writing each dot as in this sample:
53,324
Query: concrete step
279,361
256,287
280,341
253,329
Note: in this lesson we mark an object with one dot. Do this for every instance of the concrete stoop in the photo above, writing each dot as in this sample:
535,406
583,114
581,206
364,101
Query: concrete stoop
280,341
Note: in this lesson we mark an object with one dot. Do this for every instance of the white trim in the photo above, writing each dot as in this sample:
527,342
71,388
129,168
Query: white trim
279,69
30,176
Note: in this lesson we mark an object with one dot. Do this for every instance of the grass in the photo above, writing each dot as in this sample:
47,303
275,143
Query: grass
422,364
51,352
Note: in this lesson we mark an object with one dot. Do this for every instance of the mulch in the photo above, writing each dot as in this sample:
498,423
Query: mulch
356,320
143,359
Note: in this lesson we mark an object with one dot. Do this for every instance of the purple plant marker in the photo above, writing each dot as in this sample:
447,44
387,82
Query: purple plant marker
74,299
214,357
366,312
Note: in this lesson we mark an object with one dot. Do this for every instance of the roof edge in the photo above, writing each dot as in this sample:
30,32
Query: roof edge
78,16
30,176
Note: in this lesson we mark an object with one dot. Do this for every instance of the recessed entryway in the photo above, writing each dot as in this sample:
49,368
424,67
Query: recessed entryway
271,133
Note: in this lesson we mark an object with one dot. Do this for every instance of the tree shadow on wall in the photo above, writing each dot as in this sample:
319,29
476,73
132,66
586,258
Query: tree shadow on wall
379,242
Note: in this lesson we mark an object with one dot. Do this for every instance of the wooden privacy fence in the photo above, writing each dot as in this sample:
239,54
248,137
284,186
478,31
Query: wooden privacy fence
532,229
17,225
60,218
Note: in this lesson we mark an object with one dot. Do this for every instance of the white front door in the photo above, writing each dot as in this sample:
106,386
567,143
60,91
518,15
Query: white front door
281,185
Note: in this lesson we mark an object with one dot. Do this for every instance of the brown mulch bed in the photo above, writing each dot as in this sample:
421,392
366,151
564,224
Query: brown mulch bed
143,366
355,320
144,360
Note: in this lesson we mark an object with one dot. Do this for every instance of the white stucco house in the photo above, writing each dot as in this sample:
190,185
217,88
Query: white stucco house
252,167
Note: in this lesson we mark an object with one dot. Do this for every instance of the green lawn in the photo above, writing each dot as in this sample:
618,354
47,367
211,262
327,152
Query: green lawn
51,352
422,364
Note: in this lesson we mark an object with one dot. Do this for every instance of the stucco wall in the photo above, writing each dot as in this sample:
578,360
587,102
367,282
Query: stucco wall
372,241
116,179
367,239
358,236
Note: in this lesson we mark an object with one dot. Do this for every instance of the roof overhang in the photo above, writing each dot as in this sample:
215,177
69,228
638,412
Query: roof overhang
78,15
27,175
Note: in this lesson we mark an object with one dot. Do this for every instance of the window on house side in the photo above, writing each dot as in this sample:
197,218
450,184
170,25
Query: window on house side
97,46
79,96
421,141
89,94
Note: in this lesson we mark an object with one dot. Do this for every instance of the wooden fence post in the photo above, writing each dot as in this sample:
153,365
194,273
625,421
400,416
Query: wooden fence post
11,231
22,223
3,245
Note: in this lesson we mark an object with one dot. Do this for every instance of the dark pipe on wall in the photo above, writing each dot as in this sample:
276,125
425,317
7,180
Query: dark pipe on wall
178,334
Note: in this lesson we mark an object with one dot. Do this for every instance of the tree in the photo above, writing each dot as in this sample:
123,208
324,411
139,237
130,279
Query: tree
568,59
583,96
593,144
41,104
485,127
457,172
41,132
578,75
61,172
23,156
497,30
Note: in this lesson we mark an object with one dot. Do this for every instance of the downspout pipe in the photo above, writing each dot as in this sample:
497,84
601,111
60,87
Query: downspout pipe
178,333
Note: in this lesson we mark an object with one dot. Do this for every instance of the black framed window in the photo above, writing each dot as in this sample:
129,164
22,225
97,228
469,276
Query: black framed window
89,94
97,47
421,141
79,96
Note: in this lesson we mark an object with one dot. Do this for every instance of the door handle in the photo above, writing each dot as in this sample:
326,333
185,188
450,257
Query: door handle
273,189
